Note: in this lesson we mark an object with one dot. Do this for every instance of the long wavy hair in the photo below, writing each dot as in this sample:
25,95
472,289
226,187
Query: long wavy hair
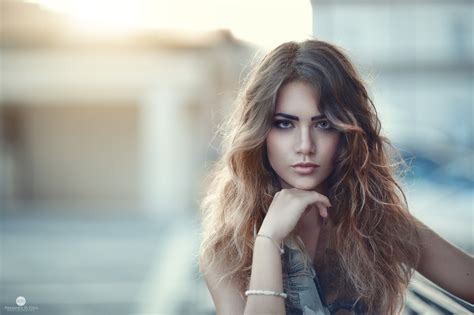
368,203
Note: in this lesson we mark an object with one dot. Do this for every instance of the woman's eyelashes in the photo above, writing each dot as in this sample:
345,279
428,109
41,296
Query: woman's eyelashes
287,124
283,124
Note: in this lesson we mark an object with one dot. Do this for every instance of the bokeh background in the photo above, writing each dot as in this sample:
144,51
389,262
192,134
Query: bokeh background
107,117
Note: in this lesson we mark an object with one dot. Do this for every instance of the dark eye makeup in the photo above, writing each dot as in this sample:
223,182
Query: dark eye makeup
287,124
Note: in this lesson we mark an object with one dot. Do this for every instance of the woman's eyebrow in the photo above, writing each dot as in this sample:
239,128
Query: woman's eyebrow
296,117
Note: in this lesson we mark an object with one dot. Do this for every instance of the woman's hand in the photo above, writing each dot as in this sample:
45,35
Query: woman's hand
286,209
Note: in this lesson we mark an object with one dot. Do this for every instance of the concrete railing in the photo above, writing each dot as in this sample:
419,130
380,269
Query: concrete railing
424,297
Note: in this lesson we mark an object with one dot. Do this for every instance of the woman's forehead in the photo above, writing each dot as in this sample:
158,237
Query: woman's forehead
298,97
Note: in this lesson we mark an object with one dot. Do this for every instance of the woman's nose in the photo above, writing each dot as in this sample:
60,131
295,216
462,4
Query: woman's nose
305,143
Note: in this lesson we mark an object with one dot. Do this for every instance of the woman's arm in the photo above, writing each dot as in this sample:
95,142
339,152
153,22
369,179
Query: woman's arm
285,211
446,265
266,274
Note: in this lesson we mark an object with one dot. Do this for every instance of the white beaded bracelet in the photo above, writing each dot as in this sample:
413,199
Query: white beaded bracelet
265,292
280,247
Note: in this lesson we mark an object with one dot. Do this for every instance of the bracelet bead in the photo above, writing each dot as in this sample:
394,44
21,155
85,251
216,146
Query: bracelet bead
265,292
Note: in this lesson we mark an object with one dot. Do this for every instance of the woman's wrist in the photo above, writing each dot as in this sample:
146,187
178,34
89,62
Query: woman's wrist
278,245
274,236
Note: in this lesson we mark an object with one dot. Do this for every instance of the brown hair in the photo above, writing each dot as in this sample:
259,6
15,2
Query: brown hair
368,204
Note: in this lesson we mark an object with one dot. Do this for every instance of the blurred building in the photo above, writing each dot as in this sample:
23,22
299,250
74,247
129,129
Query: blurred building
114,124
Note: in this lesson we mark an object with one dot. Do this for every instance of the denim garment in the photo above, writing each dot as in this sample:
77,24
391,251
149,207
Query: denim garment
305,294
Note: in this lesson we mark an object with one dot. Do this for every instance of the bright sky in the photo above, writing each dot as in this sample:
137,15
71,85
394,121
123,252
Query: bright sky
263,22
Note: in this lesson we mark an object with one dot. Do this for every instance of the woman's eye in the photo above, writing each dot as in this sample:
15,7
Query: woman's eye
325,124
283,124
287,124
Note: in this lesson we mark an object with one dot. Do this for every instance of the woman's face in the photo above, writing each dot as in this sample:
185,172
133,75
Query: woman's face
299,134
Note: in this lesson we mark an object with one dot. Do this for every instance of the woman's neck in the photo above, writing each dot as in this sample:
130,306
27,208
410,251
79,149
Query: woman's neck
313,234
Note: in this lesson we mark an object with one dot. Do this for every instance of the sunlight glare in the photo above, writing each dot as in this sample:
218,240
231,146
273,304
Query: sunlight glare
264,22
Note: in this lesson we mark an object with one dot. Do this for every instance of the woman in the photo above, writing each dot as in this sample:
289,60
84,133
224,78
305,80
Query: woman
303,213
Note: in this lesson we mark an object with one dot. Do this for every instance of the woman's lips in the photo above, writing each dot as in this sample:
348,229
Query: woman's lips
304,169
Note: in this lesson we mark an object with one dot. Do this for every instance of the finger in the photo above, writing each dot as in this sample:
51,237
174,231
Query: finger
321,198
327,202
322,210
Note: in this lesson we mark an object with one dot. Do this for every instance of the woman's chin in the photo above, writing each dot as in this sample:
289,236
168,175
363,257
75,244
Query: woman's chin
305,186
311,188
308,184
